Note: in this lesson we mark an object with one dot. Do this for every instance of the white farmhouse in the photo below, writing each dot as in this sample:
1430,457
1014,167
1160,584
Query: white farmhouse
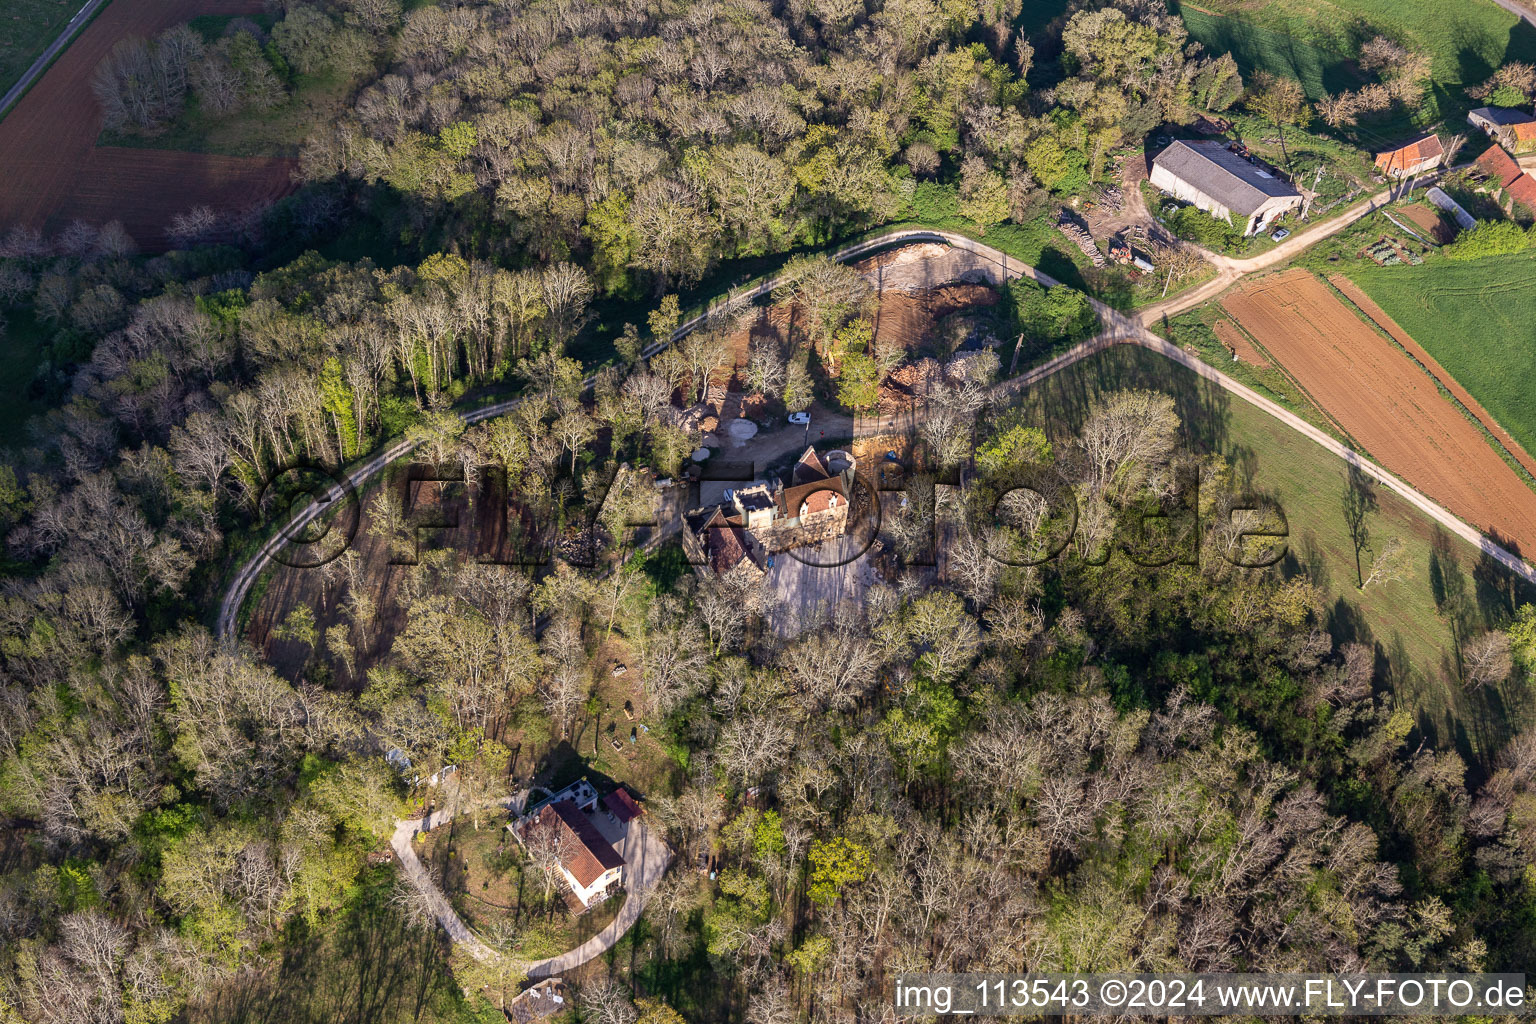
1223,184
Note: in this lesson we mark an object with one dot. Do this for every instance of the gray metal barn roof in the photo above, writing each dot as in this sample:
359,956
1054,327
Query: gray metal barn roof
1224,176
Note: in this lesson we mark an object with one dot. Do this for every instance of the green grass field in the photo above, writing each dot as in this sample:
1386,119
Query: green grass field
1315,41
26,29
1475,319
1309,484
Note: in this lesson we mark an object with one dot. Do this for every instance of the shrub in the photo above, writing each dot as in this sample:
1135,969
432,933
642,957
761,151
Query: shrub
1195,225
1490,238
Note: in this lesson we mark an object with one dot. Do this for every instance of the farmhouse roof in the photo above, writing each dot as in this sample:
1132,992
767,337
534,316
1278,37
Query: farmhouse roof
1499,165
583,850
1524,131
1414,152
1523,189
1223,175
623,805
1501,115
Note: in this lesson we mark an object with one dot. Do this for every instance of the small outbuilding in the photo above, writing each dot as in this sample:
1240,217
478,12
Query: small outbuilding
1515,130
1416,157
1223,184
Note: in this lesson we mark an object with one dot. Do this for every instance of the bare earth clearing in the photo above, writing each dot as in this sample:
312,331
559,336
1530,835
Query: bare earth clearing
1385,402
54,172
1228,334
1439,228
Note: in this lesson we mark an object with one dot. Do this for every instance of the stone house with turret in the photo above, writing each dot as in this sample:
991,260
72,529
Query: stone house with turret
738,537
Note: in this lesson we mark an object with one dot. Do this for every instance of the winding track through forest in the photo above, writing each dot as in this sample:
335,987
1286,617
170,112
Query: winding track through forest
646,858
1119,328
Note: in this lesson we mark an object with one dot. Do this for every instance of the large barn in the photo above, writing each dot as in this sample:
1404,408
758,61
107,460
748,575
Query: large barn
1223,184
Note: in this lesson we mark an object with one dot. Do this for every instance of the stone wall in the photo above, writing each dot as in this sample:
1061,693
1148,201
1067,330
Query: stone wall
805,531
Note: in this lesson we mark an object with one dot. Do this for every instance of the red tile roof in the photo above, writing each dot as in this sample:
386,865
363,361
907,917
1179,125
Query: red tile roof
583,850
1525,131
794,496
819,501
1414,152
1503,169
811,466
1500,165
623,805
1523,189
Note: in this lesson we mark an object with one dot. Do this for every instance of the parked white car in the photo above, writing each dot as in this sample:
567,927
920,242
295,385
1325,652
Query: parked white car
799,419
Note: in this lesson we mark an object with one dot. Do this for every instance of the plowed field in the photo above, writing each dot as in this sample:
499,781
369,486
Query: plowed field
53,171
1228,334
1385,402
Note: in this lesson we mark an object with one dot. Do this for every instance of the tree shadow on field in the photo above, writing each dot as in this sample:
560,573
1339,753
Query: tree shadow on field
1066,399
1499,591
1057,264
1348,625
1357,506
1307,556
370,963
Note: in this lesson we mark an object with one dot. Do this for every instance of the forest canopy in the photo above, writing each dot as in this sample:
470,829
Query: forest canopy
1072,764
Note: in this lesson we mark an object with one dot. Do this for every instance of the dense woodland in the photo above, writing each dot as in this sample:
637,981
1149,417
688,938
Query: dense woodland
1079,766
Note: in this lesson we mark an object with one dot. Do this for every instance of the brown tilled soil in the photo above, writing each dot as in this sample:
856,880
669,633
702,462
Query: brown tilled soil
1403,338
1386,402
53,171
1237,342
905,318
1439,227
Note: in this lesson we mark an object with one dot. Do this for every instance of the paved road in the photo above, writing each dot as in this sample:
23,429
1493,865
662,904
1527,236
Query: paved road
55,48
1518,9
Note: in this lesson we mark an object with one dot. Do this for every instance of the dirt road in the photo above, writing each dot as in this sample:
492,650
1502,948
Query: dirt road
1230,270
1384,401
1118,329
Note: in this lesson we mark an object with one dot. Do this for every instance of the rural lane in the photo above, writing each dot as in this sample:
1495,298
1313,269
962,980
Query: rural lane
1121,328
643,868
1229,270
55,48
355,478
1518,9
